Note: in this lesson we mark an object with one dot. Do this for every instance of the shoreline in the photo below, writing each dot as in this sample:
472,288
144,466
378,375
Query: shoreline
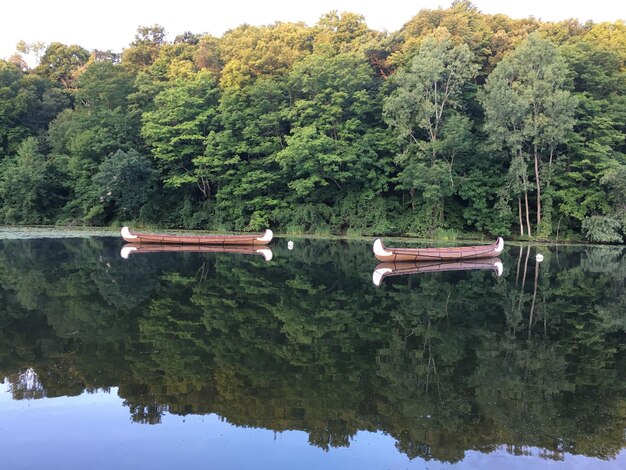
69,231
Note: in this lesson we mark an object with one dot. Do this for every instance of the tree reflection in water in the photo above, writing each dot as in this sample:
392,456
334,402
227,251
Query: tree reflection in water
443,362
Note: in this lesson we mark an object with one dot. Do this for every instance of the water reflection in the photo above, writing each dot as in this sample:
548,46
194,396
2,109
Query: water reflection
443,362
384,270
137,248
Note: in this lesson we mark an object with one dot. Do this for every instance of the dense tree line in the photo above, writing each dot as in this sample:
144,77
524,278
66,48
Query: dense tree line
458,122
442,362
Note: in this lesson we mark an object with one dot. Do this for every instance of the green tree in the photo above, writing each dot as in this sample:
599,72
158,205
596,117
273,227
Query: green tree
104,85
12,130
425,111
596,148
123,184
99,125
28,103
335,144
240,153
25,192
37,48
60,63
176,130
610,228
529,113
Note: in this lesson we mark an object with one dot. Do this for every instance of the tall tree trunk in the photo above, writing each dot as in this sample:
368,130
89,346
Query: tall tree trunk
538,187
527,213
521,222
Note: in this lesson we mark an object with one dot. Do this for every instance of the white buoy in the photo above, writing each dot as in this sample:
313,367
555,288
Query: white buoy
539,258
290,245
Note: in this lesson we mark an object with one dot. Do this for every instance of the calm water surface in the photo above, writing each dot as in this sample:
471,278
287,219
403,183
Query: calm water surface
225,360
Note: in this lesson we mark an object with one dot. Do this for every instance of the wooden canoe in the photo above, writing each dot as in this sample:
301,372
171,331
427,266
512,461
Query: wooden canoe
383,253
247,239
384,270
131,248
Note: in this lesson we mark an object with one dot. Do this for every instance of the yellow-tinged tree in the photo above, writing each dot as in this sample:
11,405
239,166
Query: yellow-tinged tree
207,55
507,34
566,31
249,52
144,50
462,20
343,32
610,36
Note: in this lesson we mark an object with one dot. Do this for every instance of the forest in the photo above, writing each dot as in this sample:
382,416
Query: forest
460,123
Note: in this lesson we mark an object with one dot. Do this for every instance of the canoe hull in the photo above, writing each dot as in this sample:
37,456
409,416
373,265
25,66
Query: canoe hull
393,255
171,239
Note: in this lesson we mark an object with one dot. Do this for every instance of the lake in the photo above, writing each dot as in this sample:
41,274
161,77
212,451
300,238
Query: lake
226,360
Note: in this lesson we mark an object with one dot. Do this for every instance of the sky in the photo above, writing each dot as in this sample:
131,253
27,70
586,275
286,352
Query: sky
112,27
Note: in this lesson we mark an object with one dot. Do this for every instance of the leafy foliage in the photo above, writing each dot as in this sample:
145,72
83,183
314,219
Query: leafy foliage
24,190
602,229
528,115
424,112
460,121
123,184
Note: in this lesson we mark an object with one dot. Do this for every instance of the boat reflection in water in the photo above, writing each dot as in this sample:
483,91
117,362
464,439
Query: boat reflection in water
384,270
131,248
